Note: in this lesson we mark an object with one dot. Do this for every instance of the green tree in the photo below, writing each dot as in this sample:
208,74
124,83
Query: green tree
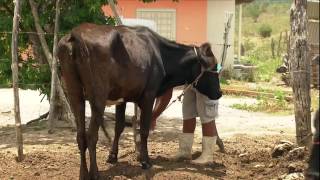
39,16
255,9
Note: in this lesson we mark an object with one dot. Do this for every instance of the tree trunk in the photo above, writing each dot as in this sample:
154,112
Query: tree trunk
53,99
14,67
66,110
300,71
115,13
36,48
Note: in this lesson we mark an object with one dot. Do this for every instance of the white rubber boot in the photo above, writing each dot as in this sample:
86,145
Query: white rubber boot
185,147
207,151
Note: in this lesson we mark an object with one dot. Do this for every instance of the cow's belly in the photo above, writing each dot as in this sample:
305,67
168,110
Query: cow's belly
110,102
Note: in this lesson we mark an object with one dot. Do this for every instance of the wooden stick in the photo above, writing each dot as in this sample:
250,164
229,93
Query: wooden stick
15,79
54,75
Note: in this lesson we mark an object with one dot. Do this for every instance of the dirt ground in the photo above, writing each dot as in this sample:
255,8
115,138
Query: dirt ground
56,157
248,137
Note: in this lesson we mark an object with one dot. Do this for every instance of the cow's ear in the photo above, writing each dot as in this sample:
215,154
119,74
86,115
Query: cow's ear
207,57
205,50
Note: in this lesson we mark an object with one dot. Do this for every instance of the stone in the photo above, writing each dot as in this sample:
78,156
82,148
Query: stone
292,176
297,153
295,167
281,149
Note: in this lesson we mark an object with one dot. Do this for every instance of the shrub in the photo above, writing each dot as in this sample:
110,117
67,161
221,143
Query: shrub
265,30
255,9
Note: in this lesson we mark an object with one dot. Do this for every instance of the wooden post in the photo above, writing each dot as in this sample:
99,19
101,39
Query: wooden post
15,78
300,71
54,76
240,32
115,12
272,47
279,44
226,38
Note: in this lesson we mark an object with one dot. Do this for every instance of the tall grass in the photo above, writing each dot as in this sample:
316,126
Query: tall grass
258,49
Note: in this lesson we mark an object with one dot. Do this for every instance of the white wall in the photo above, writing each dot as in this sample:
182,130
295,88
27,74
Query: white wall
216,19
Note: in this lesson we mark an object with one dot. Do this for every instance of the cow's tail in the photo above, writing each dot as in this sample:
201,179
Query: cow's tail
70,79
105,132
80,53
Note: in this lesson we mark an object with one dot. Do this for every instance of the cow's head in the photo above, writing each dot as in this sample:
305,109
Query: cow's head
208,83
206,56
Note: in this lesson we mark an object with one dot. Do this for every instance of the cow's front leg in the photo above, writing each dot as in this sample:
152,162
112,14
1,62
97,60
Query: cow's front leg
119,127
92,137
146,112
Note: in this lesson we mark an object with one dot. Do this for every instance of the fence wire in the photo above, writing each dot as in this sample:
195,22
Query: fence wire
32,32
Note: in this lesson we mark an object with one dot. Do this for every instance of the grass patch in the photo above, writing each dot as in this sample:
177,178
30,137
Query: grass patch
268,105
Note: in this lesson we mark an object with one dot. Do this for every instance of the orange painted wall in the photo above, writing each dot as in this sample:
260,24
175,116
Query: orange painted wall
191,16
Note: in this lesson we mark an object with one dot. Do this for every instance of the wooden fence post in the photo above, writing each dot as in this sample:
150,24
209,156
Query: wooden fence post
279,44
54,75
15,78
272,47
300,71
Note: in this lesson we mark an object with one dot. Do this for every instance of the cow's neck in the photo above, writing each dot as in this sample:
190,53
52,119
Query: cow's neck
175,56
180,64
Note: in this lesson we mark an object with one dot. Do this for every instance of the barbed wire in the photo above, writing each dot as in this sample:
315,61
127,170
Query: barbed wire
31,32
62,34
24,84
34,64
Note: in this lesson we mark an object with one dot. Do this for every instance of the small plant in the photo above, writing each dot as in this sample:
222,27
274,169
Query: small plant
248,44
265,30
266,104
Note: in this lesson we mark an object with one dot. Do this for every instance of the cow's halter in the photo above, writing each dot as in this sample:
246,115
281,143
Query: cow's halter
194,82
195,50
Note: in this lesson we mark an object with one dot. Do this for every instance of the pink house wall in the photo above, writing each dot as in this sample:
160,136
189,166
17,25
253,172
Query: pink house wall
191,16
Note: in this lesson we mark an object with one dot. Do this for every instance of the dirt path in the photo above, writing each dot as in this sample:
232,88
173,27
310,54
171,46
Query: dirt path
230,121
249,138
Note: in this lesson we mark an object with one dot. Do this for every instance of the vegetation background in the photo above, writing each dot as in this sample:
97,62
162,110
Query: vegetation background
263,22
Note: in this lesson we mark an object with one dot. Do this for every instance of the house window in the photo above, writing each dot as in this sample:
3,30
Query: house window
165,20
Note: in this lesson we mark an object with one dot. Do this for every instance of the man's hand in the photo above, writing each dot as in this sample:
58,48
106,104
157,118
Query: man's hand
160,106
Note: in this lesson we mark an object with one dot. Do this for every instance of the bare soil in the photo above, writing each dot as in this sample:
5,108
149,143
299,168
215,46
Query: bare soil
248,137
56,156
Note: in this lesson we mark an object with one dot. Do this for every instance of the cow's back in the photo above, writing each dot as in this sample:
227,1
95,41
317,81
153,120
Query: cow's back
114,59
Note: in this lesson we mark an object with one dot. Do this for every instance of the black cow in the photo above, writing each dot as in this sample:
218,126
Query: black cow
133,64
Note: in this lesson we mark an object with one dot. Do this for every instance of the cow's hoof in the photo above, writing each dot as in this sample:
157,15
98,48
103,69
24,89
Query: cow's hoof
146,165
95,177
84,175
112,159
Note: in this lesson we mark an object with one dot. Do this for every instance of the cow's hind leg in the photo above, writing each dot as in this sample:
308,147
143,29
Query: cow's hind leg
78,106
97,109
77,103
82,143
119,127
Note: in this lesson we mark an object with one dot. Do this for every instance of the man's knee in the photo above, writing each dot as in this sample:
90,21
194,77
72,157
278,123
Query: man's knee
207,120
